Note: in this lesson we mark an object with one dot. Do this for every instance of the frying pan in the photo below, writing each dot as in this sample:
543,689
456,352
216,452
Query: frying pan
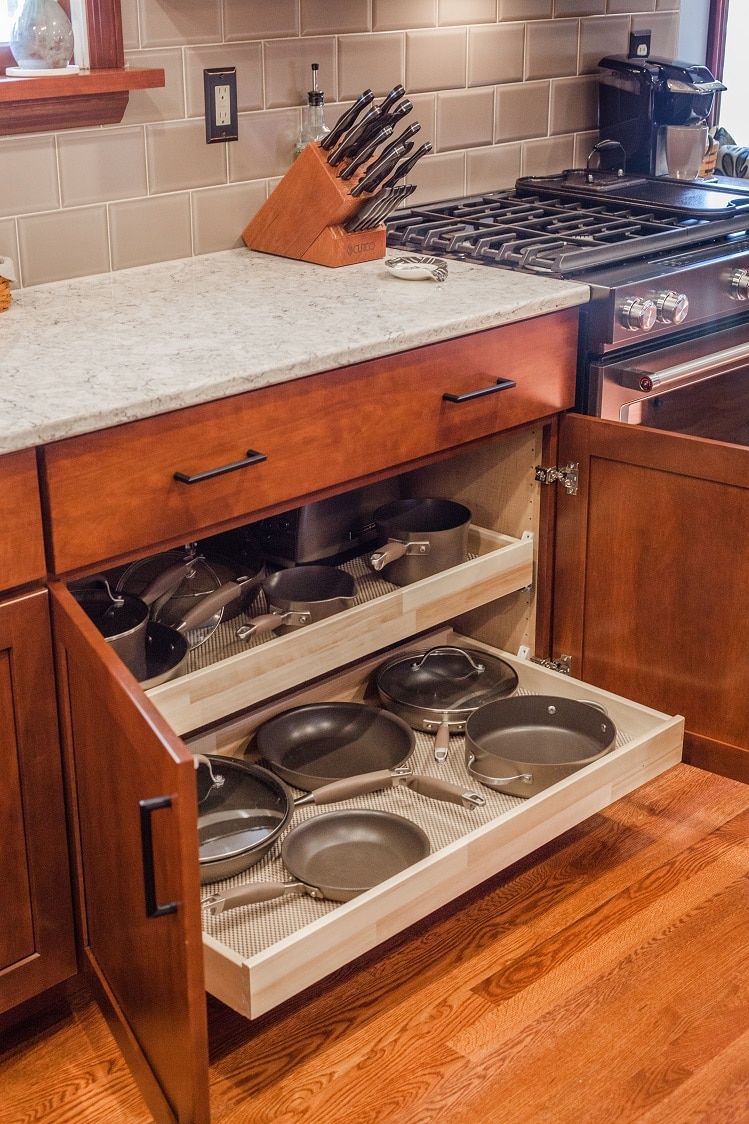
243,808
419,538
301,596
437,689
524,744
337,856
310,745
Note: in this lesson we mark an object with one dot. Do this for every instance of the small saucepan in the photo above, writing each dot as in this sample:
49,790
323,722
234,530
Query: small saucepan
419,538
336,856
524,744
436,690
300,596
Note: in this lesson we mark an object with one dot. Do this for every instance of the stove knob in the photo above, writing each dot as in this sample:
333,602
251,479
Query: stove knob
638,314
740,285
672,308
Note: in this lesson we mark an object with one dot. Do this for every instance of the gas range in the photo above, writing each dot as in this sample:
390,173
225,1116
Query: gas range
666,260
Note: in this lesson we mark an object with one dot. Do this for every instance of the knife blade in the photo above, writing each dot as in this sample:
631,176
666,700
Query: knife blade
346,120
366,150
381,168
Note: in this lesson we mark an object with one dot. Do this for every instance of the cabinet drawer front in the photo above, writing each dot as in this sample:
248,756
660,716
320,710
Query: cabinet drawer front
114,492
21,539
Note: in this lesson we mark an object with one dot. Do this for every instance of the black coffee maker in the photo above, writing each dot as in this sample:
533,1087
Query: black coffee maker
637,97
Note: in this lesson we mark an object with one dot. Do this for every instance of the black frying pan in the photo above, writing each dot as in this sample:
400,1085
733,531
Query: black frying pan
336,856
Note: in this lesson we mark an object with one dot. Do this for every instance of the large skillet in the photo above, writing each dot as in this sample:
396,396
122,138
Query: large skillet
337,856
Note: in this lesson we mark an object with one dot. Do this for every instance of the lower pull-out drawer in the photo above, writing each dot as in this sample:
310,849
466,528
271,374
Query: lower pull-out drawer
257,956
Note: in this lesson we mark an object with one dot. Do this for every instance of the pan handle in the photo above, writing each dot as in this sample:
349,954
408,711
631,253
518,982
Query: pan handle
254,892
397,548
442,741
493,782
267,622
437,789
501,384
355,786
147,808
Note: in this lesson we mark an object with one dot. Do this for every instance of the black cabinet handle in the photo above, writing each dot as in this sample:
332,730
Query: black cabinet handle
501,384
252,457
147,808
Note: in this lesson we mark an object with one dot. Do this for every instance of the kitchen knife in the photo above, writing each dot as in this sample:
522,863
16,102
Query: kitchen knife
401,110
346,120
404,168
360,218
381,168
406,135
388,102
364,152
354,137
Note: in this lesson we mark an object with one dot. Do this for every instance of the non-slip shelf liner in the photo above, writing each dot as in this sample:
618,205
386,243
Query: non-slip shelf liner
251,929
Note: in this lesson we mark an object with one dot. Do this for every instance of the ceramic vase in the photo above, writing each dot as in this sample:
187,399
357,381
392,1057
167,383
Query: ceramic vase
42,36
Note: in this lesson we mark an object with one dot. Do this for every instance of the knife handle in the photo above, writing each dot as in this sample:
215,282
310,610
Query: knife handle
353,137
366,152
346,120
395,95
404,168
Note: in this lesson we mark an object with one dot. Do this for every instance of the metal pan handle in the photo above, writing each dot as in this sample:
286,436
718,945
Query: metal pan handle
493,782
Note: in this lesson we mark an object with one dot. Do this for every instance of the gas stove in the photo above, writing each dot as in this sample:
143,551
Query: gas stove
667,261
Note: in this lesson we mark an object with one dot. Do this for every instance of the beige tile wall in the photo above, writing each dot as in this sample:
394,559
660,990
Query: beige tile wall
502,88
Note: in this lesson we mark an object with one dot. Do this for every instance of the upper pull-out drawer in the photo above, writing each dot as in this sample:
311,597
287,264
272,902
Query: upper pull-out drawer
21,540
167,478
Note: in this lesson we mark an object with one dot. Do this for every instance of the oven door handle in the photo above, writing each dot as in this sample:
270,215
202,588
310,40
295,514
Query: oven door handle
637,379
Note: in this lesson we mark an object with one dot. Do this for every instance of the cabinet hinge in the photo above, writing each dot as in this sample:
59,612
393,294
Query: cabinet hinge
563,665
568,476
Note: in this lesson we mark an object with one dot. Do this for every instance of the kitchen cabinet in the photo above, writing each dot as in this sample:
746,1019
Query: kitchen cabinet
136,840
37,948
651,578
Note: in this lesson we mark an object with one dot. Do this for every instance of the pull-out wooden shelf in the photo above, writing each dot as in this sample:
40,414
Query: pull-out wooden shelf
258,956
499,564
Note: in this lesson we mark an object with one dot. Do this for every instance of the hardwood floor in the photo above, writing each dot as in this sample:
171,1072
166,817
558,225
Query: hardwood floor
604,978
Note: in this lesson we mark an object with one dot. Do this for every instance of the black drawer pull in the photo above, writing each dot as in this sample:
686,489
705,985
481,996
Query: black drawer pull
501,384
252,457
147,808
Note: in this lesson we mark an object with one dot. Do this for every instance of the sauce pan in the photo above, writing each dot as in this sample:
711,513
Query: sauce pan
419,538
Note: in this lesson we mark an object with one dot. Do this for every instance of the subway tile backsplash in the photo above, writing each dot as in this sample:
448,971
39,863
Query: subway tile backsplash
502,88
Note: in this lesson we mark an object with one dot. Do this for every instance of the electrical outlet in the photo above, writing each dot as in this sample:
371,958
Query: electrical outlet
639,44
220,87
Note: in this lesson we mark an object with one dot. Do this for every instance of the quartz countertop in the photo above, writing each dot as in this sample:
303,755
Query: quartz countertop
97,351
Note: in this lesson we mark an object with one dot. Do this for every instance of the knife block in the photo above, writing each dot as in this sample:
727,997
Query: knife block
303,217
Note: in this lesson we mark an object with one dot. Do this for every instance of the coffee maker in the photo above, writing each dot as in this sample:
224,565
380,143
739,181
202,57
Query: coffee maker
638,98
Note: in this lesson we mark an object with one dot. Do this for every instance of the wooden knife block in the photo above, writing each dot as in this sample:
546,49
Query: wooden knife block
302,218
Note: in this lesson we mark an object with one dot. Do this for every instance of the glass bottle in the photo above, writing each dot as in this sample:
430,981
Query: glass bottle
313,123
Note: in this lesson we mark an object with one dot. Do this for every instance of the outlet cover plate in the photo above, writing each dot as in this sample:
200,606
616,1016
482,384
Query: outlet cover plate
220,87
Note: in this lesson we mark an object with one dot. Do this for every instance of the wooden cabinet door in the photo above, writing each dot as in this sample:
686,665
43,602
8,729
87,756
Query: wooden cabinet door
651,591
37,946
140,905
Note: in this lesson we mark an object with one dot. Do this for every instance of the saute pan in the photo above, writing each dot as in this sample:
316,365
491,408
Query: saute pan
301,596
311,745
436,690
419,538
337,856
524,744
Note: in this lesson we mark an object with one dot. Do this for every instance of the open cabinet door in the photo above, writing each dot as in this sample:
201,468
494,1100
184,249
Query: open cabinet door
133,789
651,587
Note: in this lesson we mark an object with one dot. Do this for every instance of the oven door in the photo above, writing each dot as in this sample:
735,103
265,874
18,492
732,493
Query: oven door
699,387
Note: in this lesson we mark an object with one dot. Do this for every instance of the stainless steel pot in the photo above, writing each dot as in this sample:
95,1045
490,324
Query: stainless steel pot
420,537
524,744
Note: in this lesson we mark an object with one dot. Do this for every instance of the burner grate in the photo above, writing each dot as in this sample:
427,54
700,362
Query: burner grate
562,236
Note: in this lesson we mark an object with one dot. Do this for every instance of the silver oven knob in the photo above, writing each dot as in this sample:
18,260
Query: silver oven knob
671,307
740,285
638,314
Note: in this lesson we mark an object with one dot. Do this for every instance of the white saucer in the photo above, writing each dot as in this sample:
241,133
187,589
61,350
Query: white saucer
46,72
413,268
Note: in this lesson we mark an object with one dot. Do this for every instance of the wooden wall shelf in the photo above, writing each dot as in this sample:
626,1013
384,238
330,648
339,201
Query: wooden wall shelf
93,97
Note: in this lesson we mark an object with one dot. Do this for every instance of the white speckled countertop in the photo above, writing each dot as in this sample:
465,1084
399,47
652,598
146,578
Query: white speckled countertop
85,354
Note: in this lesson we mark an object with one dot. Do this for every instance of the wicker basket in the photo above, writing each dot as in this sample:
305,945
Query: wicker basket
5,295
